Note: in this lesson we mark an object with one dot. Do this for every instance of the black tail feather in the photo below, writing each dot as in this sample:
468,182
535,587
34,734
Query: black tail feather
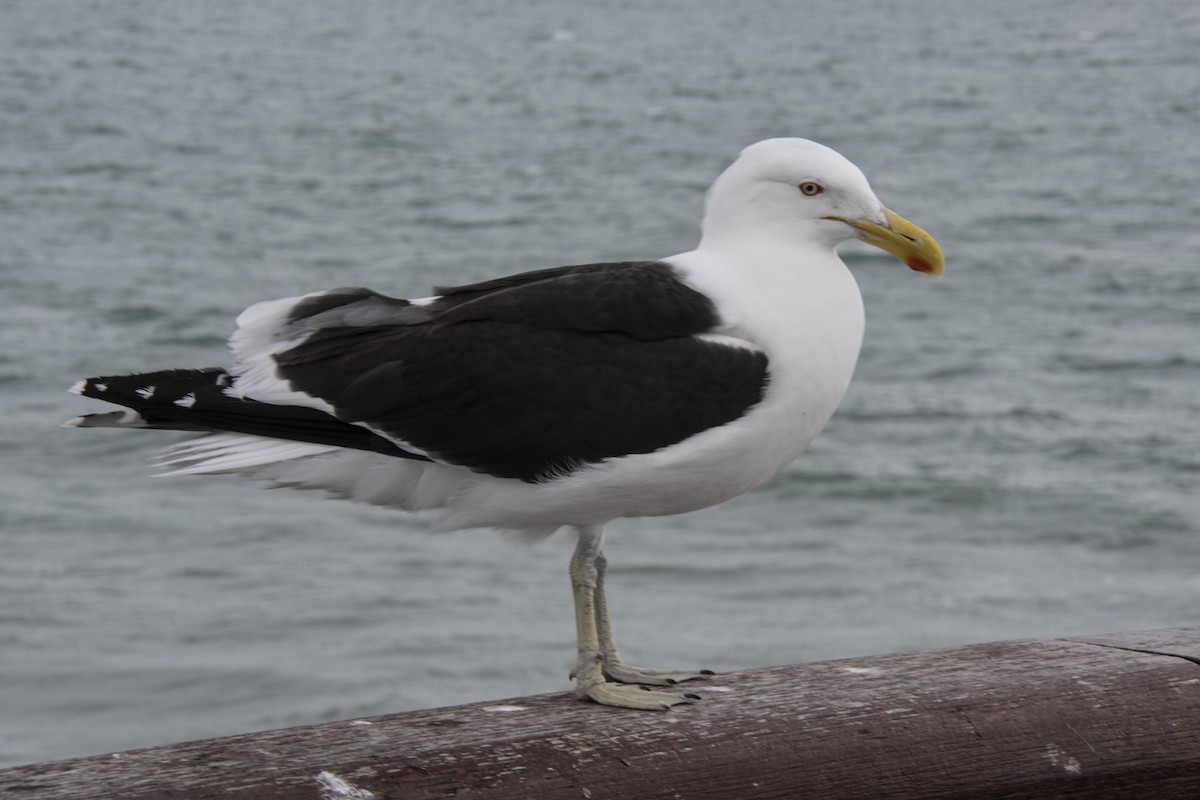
196,400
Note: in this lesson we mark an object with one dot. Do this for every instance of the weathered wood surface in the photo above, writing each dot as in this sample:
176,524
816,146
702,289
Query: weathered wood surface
1114,716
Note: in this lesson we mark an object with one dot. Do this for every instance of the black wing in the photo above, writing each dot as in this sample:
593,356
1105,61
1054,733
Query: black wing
528,376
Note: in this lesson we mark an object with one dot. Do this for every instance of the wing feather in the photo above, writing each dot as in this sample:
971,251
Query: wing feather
531,376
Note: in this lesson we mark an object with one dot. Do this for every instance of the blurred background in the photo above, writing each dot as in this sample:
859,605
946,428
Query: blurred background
1017,457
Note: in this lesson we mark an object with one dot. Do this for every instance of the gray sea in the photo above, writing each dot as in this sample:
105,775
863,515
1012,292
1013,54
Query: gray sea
1017,457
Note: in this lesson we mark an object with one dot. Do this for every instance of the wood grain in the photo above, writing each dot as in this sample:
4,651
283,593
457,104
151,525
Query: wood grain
1112,716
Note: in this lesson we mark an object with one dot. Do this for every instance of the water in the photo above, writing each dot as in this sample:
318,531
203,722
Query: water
1016,458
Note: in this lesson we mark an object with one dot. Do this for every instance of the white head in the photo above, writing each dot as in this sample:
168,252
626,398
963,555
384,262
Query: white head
800,192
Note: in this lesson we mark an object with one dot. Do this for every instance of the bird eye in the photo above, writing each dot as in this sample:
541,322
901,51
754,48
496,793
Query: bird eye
811,188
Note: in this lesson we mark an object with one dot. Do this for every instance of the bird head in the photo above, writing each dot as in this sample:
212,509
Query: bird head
803,192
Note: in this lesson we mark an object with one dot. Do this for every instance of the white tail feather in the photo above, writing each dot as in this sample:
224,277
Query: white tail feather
231,452
356,475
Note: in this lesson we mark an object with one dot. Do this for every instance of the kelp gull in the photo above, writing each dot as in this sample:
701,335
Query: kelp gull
562,397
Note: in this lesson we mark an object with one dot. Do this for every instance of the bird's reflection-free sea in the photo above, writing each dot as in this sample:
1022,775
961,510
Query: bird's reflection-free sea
1017,457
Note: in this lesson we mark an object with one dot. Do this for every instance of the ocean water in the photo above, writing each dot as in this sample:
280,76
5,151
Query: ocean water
1017,457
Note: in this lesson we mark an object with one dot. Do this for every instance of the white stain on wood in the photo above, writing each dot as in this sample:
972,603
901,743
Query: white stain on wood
333,787
1057,758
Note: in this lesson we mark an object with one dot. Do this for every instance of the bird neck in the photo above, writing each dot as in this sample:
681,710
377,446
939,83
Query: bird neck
780,287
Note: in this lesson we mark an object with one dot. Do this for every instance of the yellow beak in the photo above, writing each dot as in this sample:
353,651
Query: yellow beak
901,238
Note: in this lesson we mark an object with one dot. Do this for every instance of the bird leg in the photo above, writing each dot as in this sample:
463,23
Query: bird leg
597,651
614,668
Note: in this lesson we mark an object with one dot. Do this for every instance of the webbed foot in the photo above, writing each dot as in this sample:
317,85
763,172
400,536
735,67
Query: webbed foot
648,676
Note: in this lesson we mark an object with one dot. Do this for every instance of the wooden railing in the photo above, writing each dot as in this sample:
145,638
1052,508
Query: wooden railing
1113,716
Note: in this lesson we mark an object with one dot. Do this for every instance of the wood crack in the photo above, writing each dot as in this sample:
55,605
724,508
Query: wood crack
1145,650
